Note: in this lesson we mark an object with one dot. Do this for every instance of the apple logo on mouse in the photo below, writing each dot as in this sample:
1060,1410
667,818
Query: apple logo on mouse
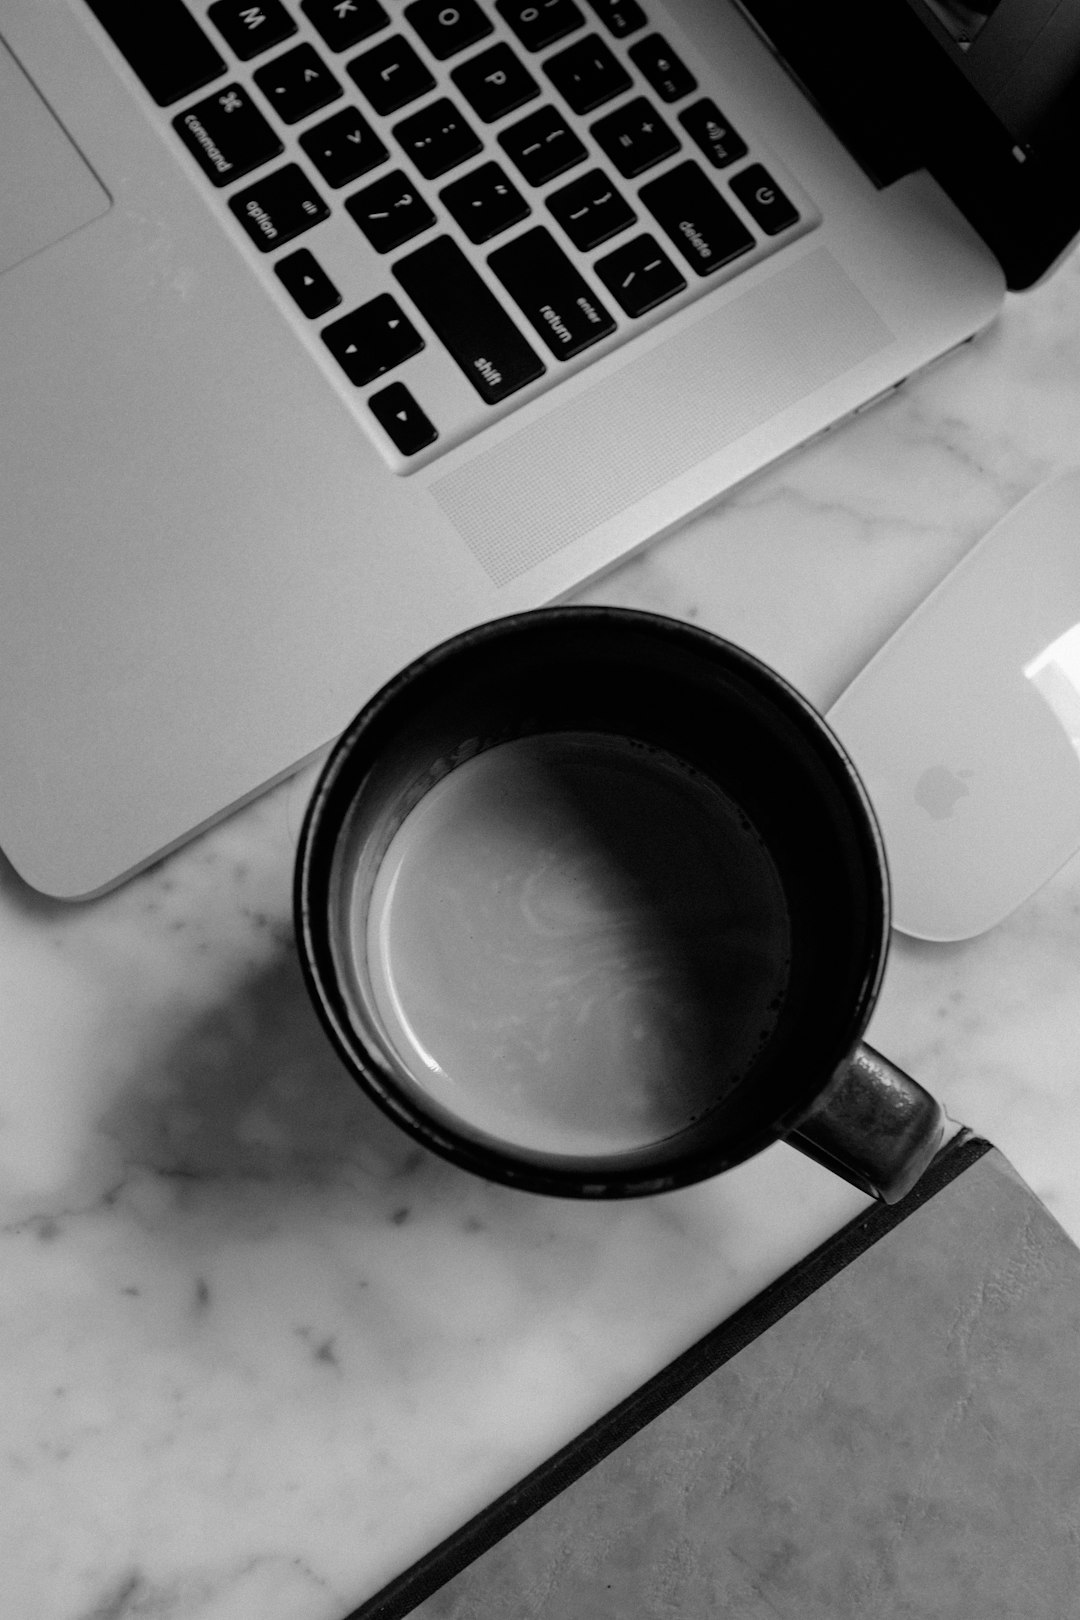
939,789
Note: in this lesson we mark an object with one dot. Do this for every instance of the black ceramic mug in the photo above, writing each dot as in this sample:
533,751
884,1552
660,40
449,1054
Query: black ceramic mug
593,903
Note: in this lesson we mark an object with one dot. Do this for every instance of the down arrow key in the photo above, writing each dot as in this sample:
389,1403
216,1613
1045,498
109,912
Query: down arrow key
398,413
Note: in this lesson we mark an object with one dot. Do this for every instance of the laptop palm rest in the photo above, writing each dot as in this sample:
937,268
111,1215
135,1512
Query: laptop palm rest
47,190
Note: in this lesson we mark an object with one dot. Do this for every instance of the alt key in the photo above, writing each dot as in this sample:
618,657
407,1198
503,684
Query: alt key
400,416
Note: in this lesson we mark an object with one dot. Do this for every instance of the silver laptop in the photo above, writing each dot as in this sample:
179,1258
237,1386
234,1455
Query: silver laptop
329,327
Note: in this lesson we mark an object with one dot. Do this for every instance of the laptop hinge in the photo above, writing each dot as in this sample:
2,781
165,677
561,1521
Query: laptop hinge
857,107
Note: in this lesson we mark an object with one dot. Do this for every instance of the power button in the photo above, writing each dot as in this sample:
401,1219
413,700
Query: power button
763,199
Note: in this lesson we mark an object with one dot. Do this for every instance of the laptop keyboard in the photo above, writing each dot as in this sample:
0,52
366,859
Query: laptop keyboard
463,200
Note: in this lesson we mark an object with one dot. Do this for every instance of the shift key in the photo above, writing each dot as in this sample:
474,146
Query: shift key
466,316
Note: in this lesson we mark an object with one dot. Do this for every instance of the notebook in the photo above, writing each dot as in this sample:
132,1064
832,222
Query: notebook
330,327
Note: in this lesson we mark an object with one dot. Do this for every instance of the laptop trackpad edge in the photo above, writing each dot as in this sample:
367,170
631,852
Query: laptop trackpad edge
47,189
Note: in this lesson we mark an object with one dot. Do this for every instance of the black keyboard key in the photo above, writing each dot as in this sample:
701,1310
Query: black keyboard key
542,146
707,126
390,212
590,210
343,147
251,29
619,17
494,83
163,44
227,134
550,293
763,200
279,207
468,319
307,281
391,74
587,74
688,207
342,23
635,138
639,275
539,23
394,408
372,339
448,28
437,139
484,203
669,77
297,83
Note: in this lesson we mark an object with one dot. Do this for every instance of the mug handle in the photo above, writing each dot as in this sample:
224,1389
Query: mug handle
875,1126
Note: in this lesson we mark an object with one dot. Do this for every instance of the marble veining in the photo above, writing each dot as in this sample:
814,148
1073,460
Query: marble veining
266,1349
258,1350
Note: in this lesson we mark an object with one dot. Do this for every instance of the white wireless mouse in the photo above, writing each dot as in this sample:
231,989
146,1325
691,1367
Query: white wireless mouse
965,727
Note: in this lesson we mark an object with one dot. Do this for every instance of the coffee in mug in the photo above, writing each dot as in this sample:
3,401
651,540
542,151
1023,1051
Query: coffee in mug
576,943
592,902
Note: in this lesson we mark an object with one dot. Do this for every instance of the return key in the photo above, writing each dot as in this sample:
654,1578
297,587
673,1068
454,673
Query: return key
551,294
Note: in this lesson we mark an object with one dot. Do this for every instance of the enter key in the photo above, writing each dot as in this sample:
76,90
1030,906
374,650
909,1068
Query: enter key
551,294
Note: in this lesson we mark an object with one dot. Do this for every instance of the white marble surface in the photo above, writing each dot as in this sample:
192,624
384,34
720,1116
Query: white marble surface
257,1351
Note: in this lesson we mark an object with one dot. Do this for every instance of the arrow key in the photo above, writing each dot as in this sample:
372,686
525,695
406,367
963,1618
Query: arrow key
303,276
398,413
372,339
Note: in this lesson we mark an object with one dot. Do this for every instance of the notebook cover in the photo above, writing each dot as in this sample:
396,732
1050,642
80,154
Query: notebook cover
488,1528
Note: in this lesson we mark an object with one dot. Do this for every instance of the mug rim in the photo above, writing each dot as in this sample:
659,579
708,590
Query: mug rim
582,1177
